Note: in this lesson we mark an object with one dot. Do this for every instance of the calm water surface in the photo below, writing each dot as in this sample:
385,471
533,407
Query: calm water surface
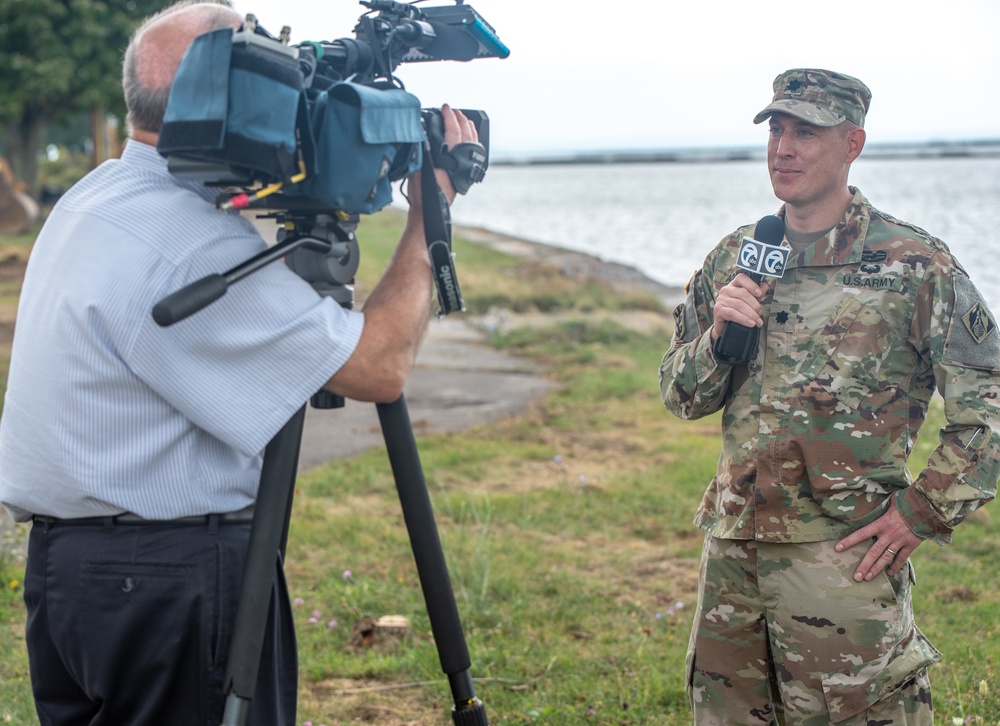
663,218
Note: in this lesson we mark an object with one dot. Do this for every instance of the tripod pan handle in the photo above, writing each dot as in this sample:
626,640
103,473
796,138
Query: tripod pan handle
189,300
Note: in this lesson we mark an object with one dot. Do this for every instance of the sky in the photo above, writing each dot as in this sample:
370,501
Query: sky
589,75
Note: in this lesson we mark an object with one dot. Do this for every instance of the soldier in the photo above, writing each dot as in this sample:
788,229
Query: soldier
804,609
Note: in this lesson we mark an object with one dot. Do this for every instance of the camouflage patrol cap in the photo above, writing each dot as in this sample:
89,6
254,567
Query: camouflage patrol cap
819,97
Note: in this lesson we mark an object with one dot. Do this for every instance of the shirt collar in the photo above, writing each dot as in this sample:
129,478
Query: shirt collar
147,158
843,244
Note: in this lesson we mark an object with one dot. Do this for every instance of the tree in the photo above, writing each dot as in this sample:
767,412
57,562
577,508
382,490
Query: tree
60,57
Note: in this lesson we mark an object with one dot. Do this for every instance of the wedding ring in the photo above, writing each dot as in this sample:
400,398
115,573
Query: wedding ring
891,552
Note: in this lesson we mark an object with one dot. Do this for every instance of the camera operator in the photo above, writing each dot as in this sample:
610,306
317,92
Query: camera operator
136,450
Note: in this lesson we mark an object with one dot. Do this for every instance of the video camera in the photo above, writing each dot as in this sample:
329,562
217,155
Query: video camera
322,129
326,120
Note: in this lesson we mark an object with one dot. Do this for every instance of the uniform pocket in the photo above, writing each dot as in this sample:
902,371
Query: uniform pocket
850,350
853,690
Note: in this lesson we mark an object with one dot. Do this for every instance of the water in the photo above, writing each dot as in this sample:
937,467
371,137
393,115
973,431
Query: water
663,218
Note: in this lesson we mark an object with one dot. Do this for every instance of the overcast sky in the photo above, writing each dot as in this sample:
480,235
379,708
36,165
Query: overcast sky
660,75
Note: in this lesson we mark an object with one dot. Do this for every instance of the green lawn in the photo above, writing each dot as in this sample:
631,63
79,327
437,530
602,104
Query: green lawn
568,534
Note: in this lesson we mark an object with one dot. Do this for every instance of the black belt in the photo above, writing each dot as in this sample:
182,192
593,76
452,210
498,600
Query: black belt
240,517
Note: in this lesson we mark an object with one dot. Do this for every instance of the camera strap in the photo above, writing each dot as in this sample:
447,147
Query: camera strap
465,164
437,231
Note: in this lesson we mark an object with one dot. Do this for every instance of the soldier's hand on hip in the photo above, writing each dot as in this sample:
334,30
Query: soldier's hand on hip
893,543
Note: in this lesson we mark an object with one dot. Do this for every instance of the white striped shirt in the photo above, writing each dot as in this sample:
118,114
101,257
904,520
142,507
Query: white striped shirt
108,412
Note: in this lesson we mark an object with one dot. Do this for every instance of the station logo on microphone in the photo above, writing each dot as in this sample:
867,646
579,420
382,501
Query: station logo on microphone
762,259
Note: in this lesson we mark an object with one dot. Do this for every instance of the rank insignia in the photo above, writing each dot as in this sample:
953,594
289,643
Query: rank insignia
979,322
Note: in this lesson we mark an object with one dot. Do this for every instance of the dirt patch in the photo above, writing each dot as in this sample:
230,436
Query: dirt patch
959,593
12,265
6,337
364,701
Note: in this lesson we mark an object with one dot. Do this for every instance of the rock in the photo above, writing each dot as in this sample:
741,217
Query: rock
382,632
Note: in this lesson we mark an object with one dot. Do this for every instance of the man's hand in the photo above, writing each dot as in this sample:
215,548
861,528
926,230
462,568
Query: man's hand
457,130
894,542
738,302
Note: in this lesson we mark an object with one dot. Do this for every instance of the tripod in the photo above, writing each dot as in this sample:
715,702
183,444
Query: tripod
321,247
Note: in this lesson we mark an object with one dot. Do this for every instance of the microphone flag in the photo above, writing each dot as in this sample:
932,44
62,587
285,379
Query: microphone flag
761,259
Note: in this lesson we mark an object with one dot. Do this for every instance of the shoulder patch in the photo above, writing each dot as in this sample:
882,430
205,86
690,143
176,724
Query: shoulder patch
973,339
979,323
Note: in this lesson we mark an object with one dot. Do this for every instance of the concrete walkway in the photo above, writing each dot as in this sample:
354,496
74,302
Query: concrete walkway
458,382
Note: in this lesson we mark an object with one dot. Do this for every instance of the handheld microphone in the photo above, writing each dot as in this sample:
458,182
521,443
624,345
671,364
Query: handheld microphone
757,257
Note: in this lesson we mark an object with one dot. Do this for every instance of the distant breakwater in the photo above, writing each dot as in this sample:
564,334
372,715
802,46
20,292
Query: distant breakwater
929,150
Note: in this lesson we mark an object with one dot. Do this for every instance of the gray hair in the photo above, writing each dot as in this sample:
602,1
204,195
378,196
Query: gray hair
146,106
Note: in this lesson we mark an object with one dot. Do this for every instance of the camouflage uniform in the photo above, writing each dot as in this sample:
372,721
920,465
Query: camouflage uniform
817,428
844,652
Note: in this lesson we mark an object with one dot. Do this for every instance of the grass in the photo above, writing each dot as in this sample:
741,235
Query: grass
567,532
11,246
23,239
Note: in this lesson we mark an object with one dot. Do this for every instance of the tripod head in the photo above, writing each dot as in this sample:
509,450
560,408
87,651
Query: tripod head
328,259
329,255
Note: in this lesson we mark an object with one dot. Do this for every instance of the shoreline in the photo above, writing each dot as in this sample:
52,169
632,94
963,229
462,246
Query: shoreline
575,264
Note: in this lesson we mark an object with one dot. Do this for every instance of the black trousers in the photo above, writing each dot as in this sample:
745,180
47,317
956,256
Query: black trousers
130,624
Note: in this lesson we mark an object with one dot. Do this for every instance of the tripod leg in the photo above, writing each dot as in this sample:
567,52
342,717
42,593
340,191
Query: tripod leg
434,580
267,545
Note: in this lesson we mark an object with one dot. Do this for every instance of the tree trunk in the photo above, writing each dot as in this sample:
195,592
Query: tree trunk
98,135
25,137
115,140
